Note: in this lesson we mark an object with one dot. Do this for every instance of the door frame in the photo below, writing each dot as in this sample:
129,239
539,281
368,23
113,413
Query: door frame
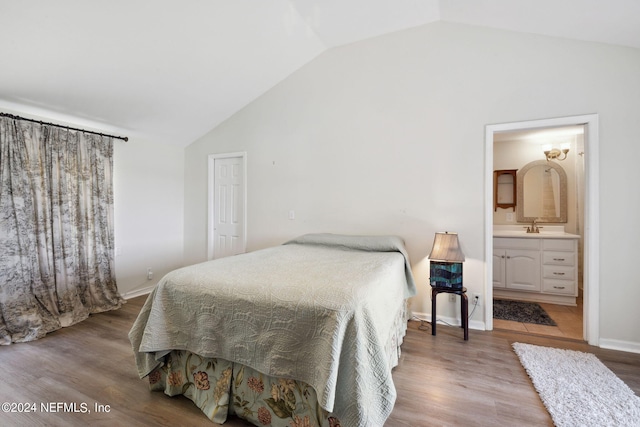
591,257
211,199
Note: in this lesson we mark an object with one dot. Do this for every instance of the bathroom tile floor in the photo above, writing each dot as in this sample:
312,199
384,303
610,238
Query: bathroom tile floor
568,319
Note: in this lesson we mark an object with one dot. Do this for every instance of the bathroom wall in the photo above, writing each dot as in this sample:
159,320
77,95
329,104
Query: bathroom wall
517,152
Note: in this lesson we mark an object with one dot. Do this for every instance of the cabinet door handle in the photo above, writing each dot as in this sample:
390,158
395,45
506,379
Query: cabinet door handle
558,259
558,274
502,257
558,287
508,257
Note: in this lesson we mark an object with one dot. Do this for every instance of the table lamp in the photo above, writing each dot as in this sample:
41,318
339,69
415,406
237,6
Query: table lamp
446,261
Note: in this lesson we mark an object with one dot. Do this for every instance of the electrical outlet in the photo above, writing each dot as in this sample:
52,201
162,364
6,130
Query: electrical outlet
452,298
149,273
475,299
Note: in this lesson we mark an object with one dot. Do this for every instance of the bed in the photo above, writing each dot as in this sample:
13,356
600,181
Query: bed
301,334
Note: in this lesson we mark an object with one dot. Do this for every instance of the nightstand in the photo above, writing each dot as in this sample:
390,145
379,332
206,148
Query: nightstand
464,307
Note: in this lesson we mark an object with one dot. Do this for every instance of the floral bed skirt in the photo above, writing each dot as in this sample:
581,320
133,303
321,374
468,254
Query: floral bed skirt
220,387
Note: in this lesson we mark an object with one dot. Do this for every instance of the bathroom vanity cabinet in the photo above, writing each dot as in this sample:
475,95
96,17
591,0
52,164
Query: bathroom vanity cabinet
536,268
516,264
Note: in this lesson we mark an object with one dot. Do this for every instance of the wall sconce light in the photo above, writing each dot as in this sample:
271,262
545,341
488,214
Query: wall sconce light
446,261
555,153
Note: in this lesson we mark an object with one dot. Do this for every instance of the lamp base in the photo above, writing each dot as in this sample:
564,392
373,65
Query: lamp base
446,274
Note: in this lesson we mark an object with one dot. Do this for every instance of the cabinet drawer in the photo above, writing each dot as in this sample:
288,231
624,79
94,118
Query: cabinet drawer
558,272
508,243
565,287
558,258
558,244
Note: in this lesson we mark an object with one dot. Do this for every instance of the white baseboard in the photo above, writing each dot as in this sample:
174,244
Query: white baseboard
138,292
473,324
628,346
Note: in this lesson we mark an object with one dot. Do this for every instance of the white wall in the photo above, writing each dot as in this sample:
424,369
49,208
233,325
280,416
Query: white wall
386,136
149,214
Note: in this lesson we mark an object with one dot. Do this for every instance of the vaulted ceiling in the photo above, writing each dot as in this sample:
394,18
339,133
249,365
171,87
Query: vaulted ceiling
169,70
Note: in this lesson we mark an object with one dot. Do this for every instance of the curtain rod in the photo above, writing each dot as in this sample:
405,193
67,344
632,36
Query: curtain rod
11,116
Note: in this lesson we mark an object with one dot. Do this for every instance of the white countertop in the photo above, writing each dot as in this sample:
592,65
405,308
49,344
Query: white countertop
520,231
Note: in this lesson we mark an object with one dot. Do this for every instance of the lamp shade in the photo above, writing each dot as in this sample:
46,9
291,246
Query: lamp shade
446,248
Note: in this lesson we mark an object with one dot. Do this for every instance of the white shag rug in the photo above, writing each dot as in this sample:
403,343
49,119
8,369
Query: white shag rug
577,389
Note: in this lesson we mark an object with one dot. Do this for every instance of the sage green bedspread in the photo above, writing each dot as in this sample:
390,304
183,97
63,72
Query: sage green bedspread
318,309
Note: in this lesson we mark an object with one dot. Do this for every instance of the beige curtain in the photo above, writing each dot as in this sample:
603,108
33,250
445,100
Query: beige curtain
56,228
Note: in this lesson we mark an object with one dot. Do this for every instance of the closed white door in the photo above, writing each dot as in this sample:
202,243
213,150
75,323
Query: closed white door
228,207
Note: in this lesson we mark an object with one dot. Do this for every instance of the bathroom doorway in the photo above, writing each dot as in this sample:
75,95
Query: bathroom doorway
512,145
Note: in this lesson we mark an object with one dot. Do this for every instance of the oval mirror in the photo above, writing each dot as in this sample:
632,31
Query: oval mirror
542,192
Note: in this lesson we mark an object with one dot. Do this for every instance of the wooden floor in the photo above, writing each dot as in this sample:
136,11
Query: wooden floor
441,380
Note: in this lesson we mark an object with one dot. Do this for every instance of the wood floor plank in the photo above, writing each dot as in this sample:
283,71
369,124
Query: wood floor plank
441,380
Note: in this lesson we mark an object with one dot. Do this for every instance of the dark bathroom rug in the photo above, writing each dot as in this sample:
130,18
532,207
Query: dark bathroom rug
518,311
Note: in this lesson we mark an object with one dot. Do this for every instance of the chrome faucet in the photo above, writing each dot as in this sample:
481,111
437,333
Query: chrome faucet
533,228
